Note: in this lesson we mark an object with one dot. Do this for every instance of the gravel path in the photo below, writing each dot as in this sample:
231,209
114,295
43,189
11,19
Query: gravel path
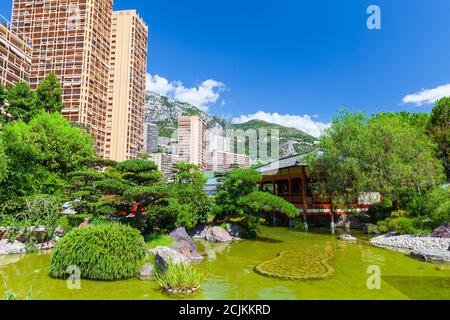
411,243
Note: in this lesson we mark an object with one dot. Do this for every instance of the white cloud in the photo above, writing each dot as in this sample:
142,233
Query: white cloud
427,96
304,123
201,96
159,85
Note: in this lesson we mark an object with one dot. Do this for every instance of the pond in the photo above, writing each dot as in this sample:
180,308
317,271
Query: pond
231,273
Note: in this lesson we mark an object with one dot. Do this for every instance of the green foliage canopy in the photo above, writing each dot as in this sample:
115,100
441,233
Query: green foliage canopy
49,94
383,154
41,154
239,200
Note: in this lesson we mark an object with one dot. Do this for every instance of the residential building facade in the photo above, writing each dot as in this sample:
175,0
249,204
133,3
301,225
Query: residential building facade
223,161
166,163
15,56
217,141
71,38
151,138
192,144
126,102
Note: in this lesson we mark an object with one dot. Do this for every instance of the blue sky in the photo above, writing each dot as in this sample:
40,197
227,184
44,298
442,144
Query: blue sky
303,60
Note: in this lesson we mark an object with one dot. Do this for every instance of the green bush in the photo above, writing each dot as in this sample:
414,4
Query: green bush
102,252
404,226
438,205
74,221
400,214
180,277
382,210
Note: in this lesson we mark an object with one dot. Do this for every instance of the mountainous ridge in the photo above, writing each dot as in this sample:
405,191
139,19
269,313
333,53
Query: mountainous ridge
164,112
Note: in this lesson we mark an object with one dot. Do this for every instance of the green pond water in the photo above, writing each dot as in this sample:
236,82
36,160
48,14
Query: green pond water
231,273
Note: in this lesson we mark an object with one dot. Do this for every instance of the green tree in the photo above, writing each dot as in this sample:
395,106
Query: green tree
188,190
440,130
3,162
382,154
49,94
3,116
22,102
41,154
239,201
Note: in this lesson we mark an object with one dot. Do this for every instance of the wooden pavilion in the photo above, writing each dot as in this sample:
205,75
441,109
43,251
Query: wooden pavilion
288,179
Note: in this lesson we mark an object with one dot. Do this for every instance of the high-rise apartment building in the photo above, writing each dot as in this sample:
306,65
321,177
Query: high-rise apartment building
15,56
166,163
223,161
71,38
192,144
151,137
217,140
129,44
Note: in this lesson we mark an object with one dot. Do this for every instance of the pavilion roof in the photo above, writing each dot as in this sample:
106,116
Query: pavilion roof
298,160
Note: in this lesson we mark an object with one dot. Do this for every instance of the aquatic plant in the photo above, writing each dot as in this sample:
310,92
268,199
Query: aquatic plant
298,265
180,278
102,252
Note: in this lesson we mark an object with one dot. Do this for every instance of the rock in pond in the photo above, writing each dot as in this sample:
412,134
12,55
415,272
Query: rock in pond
184,248
431,255
164,255
442,232
184,244
218,234
15,247
343,222
347,237
199,232
146,272
234,230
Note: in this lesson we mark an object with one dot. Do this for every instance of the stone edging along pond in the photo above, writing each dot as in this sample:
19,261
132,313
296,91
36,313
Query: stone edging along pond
285,267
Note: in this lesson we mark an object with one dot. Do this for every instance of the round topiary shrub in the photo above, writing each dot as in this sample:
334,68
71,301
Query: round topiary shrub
101,252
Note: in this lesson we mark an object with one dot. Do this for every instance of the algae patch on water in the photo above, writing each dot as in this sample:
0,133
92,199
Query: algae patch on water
298,265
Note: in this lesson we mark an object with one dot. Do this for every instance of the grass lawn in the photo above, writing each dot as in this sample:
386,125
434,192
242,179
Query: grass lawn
154,240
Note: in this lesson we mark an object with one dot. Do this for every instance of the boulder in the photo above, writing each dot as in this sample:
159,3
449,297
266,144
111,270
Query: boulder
442,232
357,221
164,255
234,230
343,222
218,234
59,232
85,224
3,231
370,228
146,272
431,255
39,234
181,234
184,248
199,232
46,246
15,247
185,245
347,237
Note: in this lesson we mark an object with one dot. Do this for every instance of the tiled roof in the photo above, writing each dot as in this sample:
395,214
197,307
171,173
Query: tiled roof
297,160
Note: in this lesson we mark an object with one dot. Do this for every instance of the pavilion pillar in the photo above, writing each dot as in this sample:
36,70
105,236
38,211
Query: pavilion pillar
305,198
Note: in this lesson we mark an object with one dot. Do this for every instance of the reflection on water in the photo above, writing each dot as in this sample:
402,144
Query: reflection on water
231,275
